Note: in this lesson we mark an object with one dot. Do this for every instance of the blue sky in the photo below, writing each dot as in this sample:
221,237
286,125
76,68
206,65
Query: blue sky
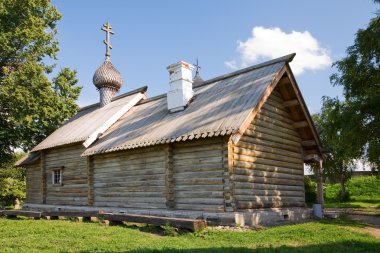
150,35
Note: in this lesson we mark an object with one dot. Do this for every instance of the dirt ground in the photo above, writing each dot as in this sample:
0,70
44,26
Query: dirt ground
372,221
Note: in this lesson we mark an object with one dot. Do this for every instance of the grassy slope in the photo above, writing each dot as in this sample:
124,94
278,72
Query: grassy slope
25,235
364,192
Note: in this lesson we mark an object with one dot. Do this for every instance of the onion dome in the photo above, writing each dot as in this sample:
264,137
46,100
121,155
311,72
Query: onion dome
197,79
107,76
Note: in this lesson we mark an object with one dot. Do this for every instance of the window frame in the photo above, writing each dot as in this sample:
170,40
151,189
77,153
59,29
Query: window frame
54,174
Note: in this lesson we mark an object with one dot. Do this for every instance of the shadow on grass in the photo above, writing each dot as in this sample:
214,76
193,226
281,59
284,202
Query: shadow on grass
344,246
152,229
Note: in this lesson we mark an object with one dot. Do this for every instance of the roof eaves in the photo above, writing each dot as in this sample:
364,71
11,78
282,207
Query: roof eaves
286,58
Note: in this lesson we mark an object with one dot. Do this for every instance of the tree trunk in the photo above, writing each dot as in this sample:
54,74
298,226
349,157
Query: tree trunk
342,189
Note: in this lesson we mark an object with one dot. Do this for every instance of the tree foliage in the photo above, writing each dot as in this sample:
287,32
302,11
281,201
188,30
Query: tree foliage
359,75
340,136
31,105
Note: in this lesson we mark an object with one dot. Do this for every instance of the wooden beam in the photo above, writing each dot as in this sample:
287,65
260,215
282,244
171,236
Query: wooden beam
311,157
292,102
43,177
300,124
309,143
90,180
169,177
15,213
192,224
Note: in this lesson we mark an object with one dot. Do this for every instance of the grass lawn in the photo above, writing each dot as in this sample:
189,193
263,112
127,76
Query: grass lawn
364,194
26,235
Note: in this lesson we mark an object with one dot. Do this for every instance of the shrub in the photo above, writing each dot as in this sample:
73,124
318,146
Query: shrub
310,190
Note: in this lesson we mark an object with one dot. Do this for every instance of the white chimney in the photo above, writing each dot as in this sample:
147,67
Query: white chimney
181,86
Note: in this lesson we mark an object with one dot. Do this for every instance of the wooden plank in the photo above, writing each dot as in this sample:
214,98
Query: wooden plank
309,143
292,102
71,213
191,224
15,213
300,124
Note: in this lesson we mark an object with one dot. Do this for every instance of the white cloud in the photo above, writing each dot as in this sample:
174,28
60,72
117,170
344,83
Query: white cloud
269,43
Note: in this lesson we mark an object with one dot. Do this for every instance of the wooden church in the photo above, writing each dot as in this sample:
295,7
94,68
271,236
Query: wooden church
234,144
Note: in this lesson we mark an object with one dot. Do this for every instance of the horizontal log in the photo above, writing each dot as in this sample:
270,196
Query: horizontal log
14,213
141,194
291,103
253,195
275,127
270,144
274,115
276,110
131,205
130,189
278,133
183,162
253,205
201,142
196,201
199,181
260,160
128,184
309,143
196,155
197,207
197,149
271,138
261,180
195,187
240,187
272,150
190,224
71,213
300,124
131,200
207,174
265,175
198,194
267,155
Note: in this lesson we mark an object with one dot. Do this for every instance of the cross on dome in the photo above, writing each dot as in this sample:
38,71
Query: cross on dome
107,28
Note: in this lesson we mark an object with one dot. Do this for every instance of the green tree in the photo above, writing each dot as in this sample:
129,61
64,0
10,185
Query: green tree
12,182
339,135
31,105
359,75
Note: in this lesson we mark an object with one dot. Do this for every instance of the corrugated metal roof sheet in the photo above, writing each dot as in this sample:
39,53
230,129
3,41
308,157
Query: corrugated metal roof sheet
29,158
219,107
85,122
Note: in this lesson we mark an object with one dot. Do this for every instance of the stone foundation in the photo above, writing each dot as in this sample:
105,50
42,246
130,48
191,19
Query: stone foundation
254,218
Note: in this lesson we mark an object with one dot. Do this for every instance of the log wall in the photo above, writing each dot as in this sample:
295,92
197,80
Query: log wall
198,174
73,191
131,178
267,161
33,183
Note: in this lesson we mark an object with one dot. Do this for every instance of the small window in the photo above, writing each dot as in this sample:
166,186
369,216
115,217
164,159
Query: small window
57,176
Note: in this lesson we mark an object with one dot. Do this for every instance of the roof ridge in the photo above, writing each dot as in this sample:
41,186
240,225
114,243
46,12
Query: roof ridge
286,58
141,89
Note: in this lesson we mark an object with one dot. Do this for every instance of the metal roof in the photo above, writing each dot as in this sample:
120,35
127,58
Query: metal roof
86,121
219,107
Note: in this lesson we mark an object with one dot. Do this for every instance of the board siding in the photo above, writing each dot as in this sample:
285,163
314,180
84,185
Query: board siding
198,168
33,183
130,179
73,190
267,161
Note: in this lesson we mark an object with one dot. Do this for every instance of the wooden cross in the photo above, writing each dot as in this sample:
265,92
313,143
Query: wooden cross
197,68
107,28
